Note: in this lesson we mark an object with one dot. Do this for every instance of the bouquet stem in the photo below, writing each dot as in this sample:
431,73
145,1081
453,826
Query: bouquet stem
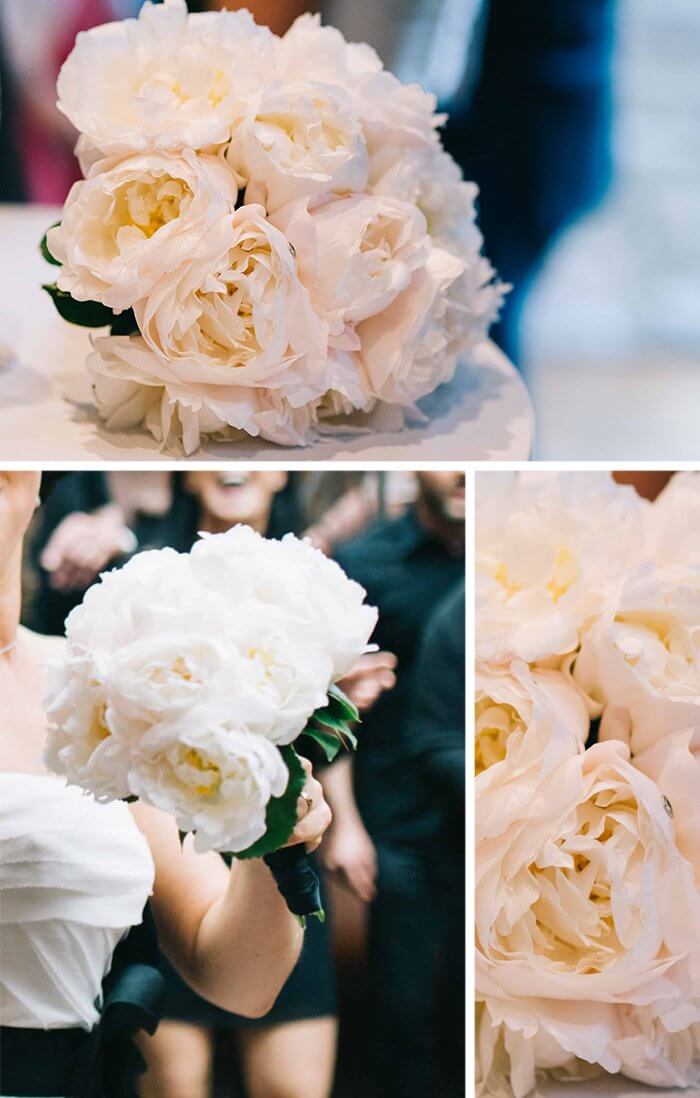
297,881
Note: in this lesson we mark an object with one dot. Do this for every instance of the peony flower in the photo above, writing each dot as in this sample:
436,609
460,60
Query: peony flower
390,112
299,139
586,924
164,81
123,227
320,601
523,712
211,774
133,384
238,315
642,666
673,763
552,554
358,254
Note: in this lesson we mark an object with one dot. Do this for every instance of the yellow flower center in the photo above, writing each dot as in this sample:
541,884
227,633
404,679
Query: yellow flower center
495,723
148,205
212,781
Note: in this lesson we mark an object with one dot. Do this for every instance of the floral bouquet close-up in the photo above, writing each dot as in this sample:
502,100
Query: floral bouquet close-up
268,227
188,678
587,818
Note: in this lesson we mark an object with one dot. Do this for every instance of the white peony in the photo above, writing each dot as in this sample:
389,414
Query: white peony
552,554
132,384
89,742
237,316
319,599
525,712
164,81
215,777
586,923
123,227
356,254
641,667
299,139
391,113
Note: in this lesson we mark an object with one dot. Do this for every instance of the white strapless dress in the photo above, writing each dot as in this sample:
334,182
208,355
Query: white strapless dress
75,875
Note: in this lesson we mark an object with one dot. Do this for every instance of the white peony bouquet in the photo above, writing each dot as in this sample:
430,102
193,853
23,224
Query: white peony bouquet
187,678
587,739
269,227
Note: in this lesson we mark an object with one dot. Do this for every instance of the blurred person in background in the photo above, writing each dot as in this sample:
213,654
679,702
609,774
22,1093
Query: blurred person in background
85,526
381,844
531,125
436,742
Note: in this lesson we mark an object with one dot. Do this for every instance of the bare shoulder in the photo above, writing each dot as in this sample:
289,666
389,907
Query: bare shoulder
46,647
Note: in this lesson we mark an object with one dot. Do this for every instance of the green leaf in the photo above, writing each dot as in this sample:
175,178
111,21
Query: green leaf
329,742
340,702
88,314
44,247
124,323
327,718
281,811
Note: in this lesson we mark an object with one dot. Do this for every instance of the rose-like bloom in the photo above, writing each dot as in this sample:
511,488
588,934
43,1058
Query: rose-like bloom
673,524
520,711
123,227
299,139
167,80
430,179
298,581
673,763
87,741
238,315
213,776
390,112
552,555
586,923
356,254
641,667
134,385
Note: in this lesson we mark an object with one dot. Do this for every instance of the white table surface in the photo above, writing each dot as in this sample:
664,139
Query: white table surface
46,413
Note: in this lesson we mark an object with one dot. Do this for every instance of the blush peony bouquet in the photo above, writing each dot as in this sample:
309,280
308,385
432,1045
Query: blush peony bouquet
187,679
269,227
587,740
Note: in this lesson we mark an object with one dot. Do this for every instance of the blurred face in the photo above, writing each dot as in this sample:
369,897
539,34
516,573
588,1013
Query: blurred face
18,496
231,496
444,494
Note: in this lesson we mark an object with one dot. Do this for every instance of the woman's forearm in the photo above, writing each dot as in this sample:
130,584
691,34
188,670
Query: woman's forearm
247,943
227,932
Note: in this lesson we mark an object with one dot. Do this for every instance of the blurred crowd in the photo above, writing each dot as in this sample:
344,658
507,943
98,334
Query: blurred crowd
527,88
376,1004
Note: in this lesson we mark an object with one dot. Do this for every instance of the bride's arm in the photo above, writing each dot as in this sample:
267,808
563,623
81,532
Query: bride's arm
228,933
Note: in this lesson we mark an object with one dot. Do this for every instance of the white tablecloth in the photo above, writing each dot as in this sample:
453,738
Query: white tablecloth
46,413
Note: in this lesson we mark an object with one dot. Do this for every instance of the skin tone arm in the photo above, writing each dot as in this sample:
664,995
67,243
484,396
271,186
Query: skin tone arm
348,851
228,933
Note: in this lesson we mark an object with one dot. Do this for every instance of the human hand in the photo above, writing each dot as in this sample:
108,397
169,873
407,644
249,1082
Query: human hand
313,813
369,678
350,855
82,545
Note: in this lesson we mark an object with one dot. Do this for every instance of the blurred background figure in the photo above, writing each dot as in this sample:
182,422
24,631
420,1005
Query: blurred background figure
384,848
579,122
402,535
